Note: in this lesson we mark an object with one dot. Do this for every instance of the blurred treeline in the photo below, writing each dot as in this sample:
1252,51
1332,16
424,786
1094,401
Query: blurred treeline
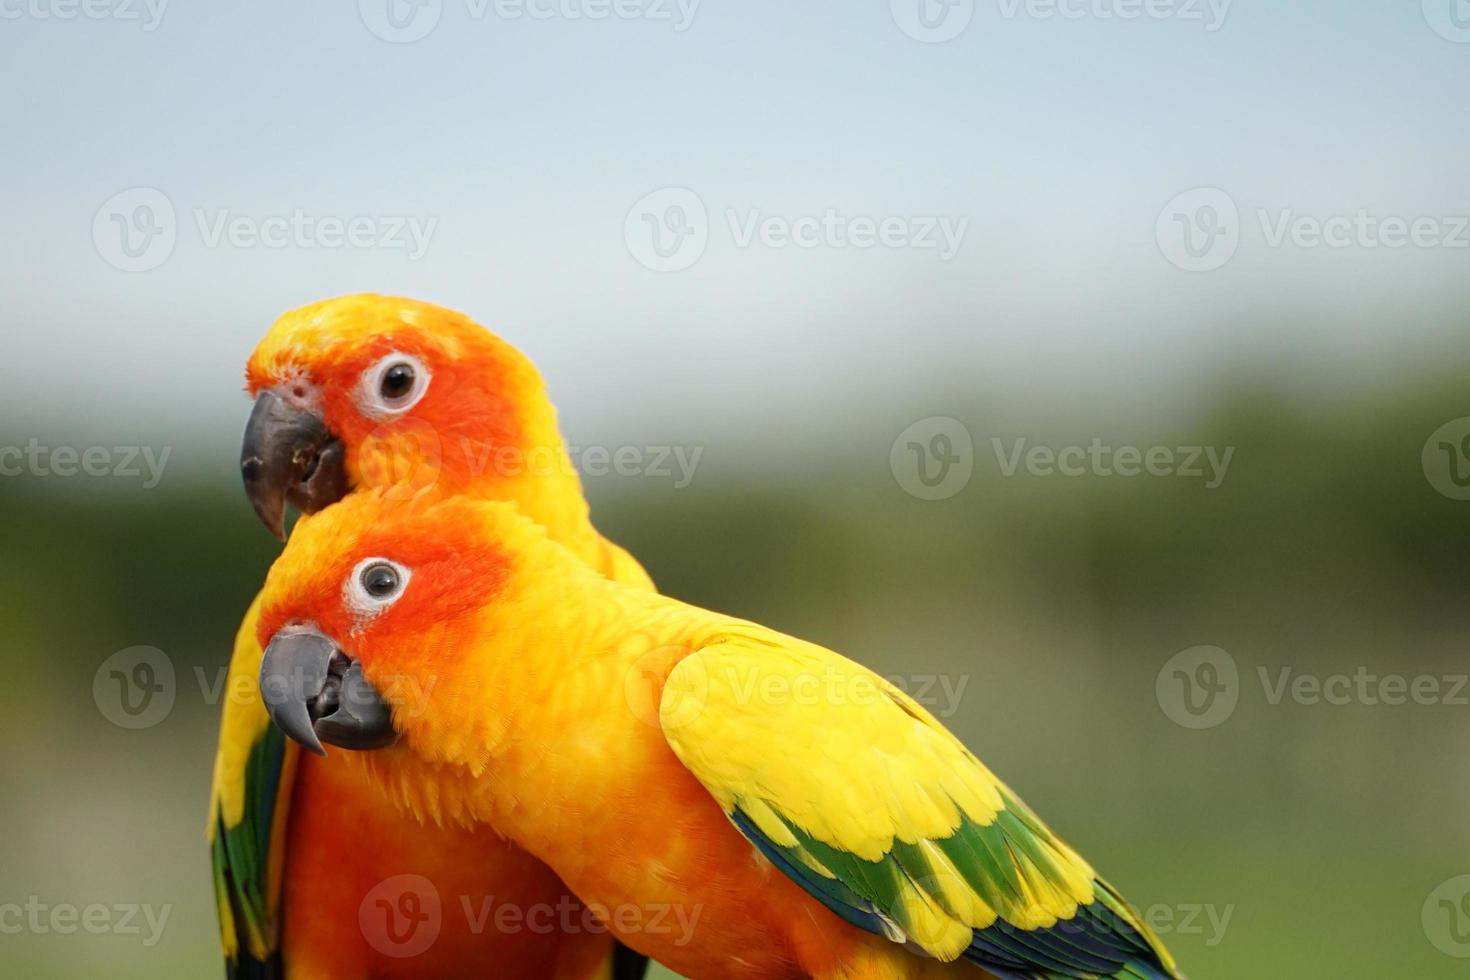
1323,828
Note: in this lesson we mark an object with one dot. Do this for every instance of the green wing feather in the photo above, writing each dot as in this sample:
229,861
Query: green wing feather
254,768
867,802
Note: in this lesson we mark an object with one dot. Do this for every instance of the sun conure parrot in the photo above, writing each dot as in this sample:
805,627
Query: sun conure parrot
674,764
374,392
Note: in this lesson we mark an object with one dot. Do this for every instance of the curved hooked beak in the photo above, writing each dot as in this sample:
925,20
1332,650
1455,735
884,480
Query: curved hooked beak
317,693
289,454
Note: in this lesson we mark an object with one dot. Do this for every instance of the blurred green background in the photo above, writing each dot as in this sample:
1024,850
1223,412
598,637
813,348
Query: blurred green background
1319,830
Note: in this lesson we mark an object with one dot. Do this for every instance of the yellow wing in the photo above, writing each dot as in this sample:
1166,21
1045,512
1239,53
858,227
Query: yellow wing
860,796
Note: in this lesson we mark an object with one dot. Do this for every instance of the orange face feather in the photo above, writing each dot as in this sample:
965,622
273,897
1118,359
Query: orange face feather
483,414
455,573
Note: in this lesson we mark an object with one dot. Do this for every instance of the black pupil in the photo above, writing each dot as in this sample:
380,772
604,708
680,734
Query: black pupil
380,581
397,381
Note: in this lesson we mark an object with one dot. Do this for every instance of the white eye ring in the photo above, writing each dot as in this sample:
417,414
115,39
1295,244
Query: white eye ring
371,397
374,585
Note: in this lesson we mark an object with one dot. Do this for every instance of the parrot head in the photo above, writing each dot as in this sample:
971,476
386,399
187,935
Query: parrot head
375,615
374,391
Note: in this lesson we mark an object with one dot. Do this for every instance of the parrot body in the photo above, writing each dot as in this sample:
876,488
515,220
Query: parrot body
798,815
300,842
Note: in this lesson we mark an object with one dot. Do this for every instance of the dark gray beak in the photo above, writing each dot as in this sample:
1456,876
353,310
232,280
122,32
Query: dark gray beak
316,693
289,455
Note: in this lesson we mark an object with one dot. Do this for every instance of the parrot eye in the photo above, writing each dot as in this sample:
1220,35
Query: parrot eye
393,385
380,581
397,382
374,584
